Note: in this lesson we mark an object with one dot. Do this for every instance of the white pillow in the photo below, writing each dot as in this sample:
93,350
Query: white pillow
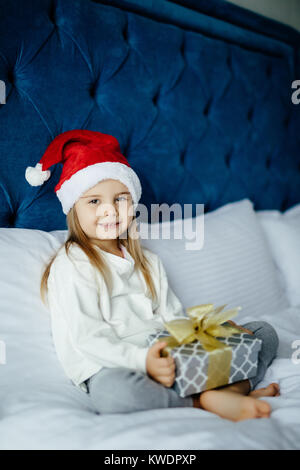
234,267
293,211
25,321
282,231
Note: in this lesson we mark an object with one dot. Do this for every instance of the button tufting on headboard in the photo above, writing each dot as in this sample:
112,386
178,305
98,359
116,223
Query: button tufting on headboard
284,204
250,113
125,32
207,107
182,157
10,76
93,88
52,12
227,159
268,162
229,61
286,121
155,98
182,47
269,70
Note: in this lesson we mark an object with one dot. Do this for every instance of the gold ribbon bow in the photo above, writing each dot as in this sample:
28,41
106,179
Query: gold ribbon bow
205,324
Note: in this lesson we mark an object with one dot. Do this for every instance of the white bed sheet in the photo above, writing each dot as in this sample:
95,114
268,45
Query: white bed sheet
40,409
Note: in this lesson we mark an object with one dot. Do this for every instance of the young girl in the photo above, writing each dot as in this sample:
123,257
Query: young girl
106,293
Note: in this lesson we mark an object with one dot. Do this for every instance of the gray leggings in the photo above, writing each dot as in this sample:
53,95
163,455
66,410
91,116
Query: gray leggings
123,390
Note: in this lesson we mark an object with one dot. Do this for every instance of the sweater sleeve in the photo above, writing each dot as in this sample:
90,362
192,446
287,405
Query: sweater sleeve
78,296
169,306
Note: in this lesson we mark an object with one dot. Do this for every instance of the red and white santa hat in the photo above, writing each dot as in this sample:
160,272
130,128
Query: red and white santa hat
88,157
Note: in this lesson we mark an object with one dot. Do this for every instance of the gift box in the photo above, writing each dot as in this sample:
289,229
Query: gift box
202,366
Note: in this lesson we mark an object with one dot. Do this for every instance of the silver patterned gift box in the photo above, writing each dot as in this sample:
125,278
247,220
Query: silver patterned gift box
192,361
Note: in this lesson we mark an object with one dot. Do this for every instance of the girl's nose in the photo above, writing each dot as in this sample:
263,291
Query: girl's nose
106,210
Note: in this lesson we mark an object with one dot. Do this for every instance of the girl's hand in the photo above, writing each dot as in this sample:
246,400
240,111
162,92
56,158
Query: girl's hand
240,327
161,369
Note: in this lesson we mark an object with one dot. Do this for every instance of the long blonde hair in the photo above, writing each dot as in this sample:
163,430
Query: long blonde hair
77,236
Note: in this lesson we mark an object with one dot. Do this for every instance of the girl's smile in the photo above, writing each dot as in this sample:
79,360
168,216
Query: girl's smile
110,226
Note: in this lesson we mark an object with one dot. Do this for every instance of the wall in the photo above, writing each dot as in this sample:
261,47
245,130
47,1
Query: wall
285,11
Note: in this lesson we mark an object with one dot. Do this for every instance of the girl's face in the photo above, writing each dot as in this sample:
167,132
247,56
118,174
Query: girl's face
104,210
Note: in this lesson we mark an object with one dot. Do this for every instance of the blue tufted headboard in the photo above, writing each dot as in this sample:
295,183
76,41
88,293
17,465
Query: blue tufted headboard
198,95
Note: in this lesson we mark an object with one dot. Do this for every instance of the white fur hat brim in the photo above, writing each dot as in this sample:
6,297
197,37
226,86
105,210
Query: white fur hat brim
72,189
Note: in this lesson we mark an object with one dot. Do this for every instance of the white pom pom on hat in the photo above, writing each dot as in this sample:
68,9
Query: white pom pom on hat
36,176
88,157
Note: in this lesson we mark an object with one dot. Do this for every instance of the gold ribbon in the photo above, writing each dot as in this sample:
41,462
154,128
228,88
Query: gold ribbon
205,324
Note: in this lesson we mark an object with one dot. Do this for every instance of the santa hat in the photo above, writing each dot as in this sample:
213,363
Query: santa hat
88,157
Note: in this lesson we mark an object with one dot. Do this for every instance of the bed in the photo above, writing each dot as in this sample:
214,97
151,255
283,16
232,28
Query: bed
199,96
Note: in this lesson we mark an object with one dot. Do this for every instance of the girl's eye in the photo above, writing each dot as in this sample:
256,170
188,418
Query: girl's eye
118,198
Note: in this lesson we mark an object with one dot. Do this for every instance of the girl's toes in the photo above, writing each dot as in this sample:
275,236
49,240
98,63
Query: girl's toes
263,409
271,390
275,389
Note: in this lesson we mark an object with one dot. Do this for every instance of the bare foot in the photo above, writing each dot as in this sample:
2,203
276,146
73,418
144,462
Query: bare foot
271,390
234,406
